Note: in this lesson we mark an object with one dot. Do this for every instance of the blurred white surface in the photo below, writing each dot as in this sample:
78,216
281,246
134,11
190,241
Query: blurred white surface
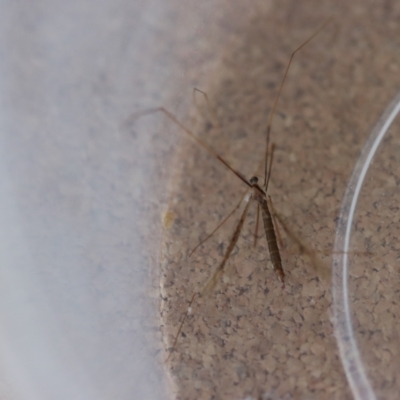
76,319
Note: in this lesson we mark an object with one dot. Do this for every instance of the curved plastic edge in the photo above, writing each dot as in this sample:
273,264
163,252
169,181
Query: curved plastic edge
343,327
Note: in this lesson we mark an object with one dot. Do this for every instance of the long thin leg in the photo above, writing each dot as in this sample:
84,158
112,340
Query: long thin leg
218,273
181,325
172,117
221,267
271,115
219,225
302,247
312,255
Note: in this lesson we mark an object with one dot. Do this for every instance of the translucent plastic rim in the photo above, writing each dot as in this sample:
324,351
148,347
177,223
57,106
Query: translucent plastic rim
343,327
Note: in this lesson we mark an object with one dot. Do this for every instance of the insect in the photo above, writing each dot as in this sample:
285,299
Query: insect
256,192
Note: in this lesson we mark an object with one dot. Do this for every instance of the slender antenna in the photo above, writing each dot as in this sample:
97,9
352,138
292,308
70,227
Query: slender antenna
271,114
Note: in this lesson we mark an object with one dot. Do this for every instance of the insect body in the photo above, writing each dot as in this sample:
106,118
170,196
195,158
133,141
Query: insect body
260,196
257,193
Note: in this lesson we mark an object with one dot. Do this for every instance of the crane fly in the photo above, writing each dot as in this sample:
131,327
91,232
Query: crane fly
256,192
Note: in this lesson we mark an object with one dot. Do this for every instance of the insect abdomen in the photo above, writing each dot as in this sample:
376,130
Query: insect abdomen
272,242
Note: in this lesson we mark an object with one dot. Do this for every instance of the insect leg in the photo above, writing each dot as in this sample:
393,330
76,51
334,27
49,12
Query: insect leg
318,265
219,225
221,267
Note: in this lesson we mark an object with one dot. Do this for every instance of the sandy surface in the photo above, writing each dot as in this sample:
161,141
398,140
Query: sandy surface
250,337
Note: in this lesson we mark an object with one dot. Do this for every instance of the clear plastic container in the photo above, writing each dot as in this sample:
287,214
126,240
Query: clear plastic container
365,286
